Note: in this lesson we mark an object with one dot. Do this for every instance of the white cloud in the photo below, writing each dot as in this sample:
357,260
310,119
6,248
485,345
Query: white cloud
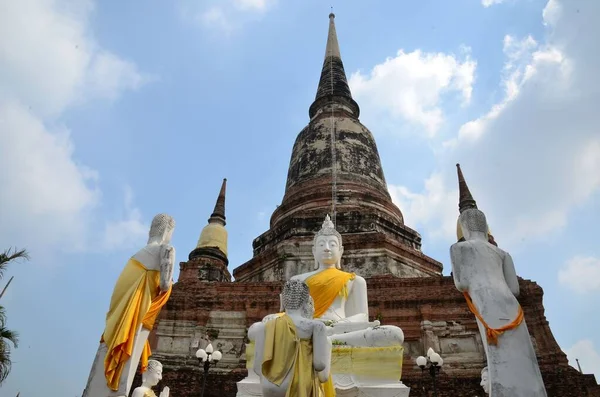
589,359
50,62
110,75
128,232
226,16
412,85
42,186
436,204
489,3
581,274
255,5
534,155
215,17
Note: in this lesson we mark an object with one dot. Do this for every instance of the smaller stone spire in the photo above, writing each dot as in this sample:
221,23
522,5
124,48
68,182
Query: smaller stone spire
214,234
465,200
208,261
218,214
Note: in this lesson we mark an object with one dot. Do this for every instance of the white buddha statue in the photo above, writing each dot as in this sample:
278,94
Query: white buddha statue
291,348
367,356
485,380
486,276
341,298
150,378
142,289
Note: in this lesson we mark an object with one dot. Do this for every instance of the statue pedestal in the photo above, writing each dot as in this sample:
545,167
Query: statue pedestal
356,371
345,386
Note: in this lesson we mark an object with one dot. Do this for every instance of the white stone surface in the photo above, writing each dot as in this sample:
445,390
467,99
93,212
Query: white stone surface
488,274
158,254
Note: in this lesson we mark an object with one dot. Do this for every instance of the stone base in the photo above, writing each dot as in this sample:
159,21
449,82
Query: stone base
249,386
345,386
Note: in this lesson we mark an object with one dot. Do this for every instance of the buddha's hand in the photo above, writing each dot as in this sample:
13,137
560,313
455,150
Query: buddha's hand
165,392
328,323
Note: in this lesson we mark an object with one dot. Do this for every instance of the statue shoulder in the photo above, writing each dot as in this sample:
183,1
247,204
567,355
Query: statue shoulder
304,276
358,281
465,245
142,392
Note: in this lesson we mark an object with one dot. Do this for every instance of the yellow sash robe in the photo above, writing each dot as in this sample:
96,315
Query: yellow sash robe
136,300
327,285
285,352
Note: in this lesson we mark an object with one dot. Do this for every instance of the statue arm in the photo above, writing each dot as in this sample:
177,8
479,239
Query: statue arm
321,348
510,274
357,305
455,257
167,263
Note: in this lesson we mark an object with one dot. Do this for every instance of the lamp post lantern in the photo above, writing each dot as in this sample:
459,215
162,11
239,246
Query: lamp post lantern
205,358
434,362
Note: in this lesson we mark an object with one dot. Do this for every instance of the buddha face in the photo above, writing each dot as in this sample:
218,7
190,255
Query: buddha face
152,376
327,251
485,381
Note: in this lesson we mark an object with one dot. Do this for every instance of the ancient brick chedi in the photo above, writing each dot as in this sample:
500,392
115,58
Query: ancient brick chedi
405,287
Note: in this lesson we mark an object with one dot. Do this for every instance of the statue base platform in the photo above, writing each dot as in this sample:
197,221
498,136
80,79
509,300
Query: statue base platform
356,371
345,386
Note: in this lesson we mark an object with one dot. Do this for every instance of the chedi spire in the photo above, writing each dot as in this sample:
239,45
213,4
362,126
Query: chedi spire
218,214
333,85
465,200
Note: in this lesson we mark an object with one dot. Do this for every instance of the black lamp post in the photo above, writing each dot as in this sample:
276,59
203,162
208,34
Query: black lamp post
205,358
434,363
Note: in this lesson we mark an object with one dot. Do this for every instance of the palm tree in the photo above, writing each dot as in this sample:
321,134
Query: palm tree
10,255
7,336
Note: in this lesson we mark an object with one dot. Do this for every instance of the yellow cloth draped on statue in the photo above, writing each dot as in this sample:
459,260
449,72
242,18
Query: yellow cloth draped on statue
285,352
136,300
327,285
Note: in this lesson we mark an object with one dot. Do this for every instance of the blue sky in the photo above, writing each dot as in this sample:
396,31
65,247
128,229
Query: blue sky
112,112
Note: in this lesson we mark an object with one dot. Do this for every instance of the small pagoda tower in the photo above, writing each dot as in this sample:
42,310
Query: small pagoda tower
208,261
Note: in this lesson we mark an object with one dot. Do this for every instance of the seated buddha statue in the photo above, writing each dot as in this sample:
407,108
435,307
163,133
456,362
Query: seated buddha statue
340,298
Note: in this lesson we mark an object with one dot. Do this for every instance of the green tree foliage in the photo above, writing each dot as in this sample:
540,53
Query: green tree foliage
7,336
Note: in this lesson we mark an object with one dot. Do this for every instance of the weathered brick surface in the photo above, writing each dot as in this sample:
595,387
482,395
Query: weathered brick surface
408,303
205,264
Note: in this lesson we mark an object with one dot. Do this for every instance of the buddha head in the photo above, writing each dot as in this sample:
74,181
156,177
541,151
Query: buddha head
327,246
473,224
485,380
153,373
161,229
296,296
460,237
